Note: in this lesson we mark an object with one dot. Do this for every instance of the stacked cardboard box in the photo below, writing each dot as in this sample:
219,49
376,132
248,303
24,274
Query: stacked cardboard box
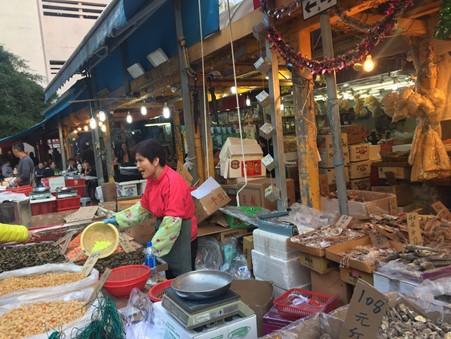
360,167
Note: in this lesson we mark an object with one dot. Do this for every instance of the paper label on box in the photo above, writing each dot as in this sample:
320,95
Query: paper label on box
365,312
413,229
379,240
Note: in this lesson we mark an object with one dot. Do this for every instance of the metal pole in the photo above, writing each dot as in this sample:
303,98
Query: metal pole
334,116
63,150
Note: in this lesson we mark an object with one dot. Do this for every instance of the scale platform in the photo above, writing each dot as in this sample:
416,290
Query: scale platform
195,314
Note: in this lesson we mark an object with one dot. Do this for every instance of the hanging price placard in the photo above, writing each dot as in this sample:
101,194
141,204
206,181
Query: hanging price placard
414,229
90,262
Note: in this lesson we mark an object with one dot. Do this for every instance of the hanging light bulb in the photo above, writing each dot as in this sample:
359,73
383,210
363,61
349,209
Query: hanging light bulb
233,89
103,128
79,128
248,101
143,110
75,131
166,111
93,123
368,65
86,128
100,124
129,118
102,116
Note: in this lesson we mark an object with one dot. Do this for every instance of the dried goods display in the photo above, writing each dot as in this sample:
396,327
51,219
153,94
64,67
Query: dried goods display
12,258
327,236
120,259
402,322
420,258
365,253
28,320
13,284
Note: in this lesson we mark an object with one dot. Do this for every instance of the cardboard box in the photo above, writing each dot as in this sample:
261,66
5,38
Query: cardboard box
246,327
399,172
327,157
337,252
360,169
324,141
208,198
362,184
231,158
367,203
359,152
331,284
248,246
317,264
329,173
403,192
350,275
356,133
254,194
273,321
258,295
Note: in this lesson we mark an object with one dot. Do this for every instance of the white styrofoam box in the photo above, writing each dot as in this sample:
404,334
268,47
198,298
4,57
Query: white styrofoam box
402,148
245,328
56,183
142,186
384,283
273,245
99,193
127,188
282,272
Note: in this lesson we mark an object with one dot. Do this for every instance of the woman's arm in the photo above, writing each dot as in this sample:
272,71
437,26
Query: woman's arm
167,234
13,233
132,216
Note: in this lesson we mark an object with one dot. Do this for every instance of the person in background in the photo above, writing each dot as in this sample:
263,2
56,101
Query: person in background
49,171
168,197
39,173
7,170
25,168
71,165
32,157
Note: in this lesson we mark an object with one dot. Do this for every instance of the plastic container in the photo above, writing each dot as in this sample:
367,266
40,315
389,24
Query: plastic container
20,189
43,207
99,231
124,278
317,302
157,291
65,204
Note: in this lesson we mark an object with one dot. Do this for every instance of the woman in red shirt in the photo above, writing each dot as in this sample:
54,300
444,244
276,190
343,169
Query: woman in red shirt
168,197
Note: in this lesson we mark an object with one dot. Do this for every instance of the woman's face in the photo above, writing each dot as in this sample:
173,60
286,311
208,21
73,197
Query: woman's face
145,167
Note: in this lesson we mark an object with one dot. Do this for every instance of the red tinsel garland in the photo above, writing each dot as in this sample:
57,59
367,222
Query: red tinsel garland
375,35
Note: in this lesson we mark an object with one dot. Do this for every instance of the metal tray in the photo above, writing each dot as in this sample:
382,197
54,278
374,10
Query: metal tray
202,284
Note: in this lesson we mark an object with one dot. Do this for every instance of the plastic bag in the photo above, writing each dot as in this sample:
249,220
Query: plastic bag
82,295
142,322
304,216
247,214
46,292
209,254
238,269
230,250
432,290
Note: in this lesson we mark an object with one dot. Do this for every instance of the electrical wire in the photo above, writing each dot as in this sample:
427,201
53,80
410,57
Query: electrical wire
237,105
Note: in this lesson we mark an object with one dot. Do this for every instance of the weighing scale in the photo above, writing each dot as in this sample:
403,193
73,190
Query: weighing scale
66,192
40,193
195,314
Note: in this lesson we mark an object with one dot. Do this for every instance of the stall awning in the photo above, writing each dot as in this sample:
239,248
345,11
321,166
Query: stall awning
112,22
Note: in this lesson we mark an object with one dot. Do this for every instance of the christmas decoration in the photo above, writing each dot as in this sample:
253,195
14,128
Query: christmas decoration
281,11
443,30
373,37
354,23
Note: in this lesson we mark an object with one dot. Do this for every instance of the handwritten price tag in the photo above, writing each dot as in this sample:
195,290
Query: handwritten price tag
79,254
343,221
379,240
90,262
98,286
440,208
414,229
67,241
125,244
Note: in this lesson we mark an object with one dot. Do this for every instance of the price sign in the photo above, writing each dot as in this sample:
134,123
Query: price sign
125,244
414,229
392,205
67,241
98,286
440,208
79,254
379,240
90,262
343,221
365,312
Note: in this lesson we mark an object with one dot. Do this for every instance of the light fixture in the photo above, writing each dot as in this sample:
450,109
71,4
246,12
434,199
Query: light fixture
100,123
102,116
282,107
79,128
158,124
129,118
93,123
157,57
166,111
75,131
86,128
233,89
143,110
135,70
368,65
103,128
248,101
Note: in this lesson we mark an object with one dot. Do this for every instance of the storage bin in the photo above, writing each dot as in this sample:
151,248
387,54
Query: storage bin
65,204
43,207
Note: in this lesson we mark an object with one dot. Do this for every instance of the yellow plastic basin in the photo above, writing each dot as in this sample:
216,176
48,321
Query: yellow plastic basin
99,231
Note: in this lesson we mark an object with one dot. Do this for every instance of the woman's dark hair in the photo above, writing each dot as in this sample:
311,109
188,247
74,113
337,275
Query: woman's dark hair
151,149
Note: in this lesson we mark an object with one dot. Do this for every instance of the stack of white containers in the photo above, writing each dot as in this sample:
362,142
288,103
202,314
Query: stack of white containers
273,260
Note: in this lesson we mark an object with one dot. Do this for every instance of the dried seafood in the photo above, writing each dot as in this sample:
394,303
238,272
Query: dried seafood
327,236
401,321
365,253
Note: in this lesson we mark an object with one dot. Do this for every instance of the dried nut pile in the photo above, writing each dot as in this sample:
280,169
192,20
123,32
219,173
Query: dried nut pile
28,320
402,322
13,284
